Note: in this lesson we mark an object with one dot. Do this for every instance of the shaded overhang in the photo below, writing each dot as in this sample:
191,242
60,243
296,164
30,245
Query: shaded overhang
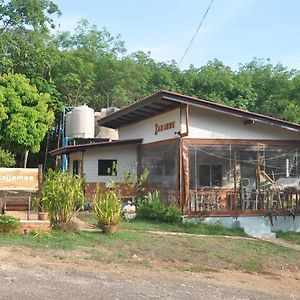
164,101
78,148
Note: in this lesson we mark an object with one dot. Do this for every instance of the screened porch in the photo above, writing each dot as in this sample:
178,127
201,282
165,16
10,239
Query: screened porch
232,180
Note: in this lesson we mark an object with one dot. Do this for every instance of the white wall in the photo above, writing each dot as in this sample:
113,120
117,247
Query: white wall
126,157
146,129
206,124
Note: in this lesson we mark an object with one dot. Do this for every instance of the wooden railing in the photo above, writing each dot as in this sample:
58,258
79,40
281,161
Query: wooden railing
218,202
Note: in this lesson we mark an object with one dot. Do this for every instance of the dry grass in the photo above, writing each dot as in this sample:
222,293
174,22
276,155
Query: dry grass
172,252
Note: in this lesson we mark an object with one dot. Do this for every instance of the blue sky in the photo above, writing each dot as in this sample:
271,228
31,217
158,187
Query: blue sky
234,31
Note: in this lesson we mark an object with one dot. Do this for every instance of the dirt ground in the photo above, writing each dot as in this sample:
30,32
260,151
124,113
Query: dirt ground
27,273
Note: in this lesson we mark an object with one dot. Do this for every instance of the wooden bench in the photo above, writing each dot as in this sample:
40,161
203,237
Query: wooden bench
15,202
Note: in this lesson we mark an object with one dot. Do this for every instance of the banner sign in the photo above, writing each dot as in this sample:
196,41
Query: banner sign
19,179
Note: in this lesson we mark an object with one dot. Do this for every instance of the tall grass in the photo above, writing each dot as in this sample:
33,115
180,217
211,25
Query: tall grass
62,196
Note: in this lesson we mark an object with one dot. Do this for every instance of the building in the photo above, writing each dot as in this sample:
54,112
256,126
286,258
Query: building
208,158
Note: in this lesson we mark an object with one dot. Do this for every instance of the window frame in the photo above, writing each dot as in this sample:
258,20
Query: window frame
108,166
211,179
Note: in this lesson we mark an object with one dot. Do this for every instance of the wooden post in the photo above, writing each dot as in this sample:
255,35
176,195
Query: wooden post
40,177
261,201
233,204
40,186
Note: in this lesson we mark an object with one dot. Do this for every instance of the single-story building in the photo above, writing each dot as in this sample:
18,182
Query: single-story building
208,158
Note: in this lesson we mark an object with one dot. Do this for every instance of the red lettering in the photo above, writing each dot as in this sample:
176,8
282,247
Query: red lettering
164,127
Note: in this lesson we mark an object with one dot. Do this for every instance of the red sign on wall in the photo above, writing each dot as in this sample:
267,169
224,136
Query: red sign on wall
164,127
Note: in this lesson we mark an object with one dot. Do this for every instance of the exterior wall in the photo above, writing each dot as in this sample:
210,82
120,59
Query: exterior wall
146,129
207,124
126,157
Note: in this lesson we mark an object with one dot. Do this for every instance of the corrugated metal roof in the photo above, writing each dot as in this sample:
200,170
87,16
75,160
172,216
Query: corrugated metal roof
82,147
164,101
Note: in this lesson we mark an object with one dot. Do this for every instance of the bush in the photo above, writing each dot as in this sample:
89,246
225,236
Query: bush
150,207
107,207
171,214
62,197
9,223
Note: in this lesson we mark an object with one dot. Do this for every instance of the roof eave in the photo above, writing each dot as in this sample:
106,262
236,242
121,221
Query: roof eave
112,120
83,147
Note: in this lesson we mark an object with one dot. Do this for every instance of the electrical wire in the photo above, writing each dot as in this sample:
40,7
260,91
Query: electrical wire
199,26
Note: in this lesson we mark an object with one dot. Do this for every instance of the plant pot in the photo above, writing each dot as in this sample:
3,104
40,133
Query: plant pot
110,228
43,216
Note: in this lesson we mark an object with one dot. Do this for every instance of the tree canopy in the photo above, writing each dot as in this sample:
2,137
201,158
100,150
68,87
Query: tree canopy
24,114
91,66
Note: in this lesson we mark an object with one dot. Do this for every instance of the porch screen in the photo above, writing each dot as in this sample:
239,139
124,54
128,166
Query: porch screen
252,167
162,163
210,166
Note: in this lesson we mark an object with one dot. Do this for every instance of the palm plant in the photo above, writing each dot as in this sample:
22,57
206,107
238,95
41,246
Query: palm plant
107,207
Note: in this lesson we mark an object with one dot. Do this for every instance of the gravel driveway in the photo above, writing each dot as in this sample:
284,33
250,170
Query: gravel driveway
24,282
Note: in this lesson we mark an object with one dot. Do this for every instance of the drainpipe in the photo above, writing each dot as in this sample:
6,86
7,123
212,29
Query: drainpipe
65,139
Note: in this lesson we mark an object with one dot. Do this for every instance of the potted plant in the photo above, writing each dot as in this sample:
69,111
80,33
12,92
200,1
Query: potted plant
107,207
41,211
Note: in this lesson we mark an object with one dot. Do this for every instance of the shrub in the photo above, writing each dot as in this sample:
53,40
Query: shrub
171,214
62,197
150,207
107,207
9,223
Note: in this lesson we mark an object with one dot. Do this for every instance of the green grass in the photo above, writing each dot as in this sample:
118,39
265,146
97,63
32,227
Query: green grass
289,236
189,253
134,245
145,225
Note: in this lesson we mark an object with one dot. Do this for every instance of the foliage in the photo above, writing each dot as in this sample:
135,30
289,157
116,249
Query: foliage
107,207
9,223
62,197
91,66
24,114
7,159
140,224
25,44
135,185
150,207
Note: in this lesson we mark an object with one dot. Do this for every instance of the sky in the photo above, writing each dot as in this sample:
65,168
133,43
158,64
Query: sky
234,31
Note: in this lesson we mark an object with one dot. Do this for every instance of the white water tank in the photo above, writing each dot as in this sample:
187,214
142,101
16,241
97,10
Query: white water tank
83,122
68,132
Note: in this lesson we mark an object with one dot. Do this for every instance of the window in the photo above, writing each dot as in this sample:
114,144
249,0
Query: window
76,167
107,167
210,175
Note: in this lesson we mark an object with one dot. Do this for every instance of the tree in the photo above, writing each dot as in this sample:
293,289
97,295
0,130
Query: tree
7,159
24,115
272,85
25,42
80,54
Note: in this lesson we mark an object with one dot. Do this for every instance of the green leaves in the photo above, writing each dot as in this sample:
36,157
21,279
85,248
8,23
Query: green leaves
7,159
24,113
62,196
9,223
107,207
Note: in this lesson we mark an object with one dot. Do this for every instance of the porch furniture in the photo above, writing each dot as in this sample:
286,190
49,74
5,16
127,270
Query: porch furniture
15,201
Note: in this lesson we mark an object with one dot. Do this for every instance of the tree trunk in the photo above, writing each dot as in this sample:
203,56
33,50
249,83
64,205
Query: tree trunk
25,158
46,150
58,134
